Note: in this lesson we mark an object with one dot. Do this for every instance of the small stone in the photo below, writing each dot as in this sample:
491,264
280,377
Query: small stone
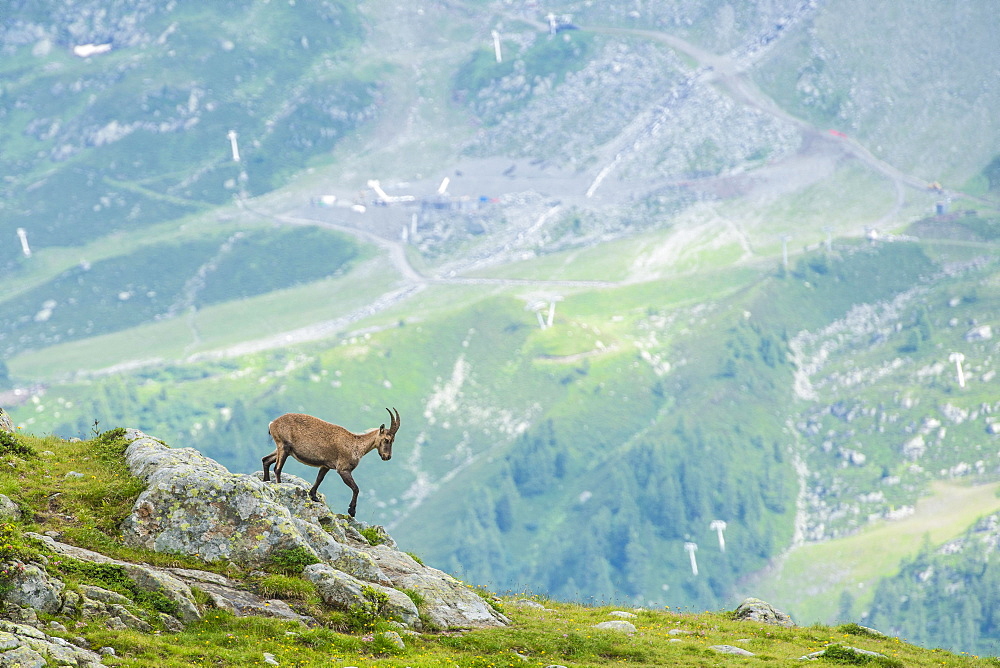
677,632
730,649
107,651
8,509
394,638
623,626
57,626
171,623
623,614
75,474
525,603
269,659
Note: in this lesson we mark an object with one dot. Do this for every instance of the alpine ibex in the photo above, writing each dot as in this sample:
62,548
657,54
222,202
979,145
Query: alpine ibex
328,446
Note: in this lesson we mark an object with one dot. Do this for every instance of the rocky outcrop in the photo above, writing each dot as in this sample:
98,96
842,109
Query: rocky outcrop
174,583
193,505
32,588
756,610
343,591
844,654
25,646
6,424
9,511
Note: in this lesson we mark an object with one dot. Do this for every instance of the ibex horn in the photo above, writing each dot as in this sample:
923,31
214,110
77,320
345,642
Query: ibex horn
393,420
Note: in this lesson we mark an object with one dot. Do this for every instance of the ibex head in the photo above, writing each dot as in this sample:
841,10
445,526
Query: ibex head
387,436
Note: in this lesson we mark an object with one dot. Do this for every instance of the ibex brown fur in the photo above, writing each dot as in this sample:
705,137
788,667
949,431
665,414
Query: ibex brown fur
328,446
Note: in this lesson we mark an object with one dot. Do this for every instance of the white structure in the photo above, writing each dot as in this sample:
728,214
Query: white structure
443,188
552,309
784,250
233,144
23,236
829,238
552,23
496,45
537,307
719,526
958,358
691,549
385,198
88,50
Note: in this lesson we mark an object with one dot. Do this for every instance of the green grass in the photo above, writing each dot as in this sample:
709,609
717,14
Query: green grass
557,633
88,509
211,328
561,634
809,578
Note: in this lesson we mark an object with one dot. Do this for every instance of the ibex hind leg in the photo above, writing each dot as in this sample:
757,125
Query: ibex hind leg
281,455
266,462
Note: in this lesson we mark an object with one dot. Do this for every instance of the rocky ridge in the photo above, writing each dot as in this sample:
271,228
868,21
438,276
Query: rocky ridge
194,506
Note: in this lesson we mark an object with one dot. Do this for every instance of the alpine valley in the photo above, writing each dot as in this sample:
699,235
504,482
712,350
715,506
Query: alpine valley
679,301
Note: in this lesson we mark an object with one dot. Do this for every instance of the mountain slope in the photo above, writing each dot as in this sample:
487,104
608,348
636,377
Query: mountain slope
662,177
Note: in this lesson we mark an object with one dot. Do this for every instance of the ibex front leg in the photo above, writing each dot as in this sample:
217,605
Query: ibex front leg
349,481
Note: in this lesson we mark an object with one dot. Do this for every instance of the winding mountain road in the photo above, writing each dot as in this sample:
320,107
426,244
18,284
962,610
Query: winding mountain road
728,72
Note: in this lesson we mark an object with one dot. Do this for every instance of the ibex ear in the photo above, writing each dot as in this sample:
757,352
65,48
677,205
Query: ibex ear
381,429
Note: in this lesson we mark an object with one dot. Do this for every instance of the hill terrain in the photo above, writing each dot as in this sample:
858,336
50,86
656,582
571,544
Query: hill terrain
651,267
84,592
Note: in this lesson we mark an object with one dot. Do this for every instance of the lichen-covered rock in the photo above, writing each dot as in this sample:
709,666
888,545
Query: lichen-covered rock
9,511
617,625
6,424
193,505
447,602
394,638
155,581
33,588
844,654
756,610
343,591
22,657
25,646
243,603
103,595
731,649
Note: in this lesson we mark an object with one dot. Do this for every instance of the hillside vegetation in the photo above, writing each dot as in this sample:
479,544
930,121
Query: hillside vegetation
83,492
658,266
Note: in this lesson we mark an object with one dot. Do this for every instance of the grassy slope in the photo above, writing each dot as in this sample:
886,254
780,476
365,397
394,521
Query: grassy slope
90,506
809,579
792,213
514,372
